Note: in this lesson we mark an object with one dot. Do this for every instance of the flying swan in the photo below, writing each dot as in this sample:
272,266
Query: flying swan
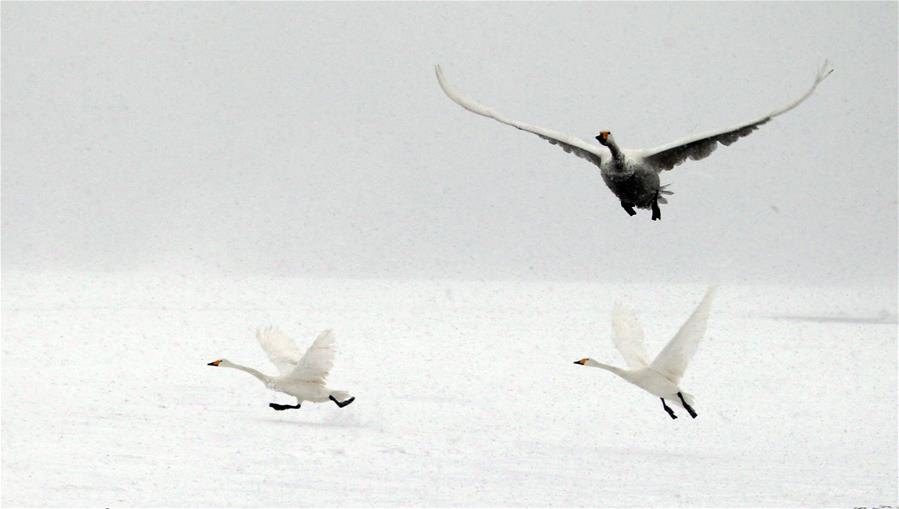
633,174
302,376
662,377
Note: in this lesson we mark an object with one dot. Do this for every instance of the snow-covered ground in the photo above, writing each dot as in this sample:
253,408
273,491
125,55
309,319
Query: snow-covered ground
466,395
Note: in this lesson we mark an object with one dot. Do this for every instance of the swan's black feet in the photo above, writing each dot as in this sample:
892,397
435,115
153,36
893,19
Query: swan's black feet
283,407
338,403
656,212
668,409
693,413
629,208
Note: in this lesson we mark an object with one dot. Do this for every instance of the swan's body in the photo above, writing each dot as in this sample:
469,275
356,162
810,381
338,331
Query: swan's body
302,376
632,174
662,376
638,187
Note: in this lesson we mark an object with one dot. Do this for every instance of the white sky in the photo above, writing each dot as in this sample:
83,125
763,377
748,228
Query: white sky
313,139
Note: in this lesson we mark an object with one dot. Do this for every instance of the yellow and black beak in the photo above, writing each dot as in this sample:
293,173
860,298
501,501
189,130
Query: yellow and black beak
582,362
215,363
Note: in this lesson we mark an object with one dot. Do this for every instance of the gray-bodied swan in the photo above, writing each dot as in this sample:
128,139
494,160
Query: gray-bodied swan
662,376
633,174
301,375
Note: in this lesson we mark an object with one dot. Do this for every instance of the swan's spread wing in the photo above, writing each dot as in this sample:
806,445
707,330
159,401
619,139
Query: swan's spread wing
627,334
318,359
282,351
699,146
571,144
673,359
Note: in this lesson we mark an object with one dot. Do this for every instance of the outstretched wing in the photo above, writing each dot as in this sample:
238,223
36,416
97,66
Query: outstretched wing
699,146
627,334
571,144
673,359
282,351
318,359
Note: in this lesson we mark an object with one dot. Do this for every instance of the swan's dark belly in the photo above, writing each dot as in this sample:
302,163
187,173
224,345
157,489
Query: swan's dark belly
640,187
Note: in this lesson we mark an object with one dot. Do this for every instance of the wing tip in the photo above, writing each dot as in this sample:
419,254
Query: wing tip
825,71
446,87
441,78
709,297
327,336
620,307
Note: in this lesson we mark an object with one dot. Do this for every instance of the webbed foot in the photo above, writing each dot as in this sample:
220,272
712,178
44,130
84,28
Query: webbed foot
668,409
629,208
343,404
278,407
692,412
656,211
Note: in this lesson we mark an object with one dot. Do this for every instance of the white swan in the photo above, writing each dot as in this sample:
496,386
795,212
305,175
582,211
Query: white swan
662,377
302,376
633,174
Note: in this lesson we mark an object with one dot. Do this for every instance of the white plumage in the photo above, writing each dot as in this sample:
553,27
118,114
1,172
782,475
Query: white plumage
627,335
312,367
280,349
304,375
662,377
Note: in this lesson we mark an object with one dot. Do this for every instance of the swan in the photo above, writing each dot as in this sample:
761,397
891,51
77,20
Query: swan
301,376
633,174
662,376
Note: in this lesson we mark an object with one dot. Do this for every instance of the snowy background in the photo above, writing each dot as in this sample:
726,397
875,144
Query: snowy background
177,175
466,395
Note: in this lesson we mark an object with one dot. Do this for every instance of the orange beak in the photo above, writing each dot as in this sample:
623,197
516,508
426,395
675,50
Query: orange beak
215,363
604,135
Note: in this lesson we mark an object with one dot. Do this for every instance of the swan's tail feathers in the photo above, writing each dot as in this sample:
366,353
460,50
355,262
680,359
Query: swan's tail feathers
663,191
341,398
340,395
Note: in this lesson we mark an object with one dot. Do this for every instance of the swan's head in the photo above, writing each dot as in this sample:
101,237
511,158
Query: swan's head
582,362
218,362
604,138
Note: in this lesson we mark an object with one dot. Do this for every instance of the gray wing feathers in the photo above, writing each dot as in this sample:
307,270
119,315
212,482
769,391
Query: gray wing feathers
699,149
570,144
572,149
700,146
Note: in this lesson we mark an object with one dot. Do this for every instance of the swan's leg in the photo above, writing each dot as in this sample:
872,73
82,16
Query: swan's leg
656,212
283,407
338,403
668,409
693,413
629,208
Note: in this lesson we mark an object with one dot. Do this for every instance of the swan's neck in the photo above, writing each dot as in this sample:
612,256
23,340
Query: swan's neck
617,156
267,380
593,364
